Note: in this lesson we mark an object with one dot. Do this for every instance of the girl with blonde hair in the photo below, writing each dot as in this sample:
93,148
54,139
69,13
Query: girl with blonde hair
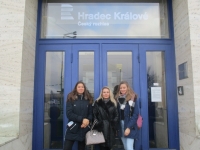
128,114
106,114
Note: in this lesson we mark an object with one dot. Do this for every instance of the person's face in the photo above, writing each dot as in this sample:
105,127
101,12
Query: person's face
123,88
80,88
106,93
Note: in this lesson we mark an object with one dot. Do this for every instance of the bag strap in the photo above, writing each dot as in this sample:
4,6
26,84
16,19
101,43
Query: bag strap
139,104
132,108
131,111
95,121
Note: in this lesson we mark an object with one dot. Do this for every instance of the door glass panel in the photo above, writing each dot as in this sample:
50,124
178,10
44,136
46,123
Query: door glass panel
157,109
119,68
53,101
102,18
86,70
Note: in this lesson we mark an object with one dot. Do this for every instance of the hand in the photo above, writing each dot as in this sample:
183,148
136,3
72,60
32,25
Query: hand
83,126
85,122
127,132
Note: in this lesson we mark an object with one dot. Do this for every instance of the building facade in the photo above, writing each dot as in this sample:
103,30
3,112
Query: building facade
20,74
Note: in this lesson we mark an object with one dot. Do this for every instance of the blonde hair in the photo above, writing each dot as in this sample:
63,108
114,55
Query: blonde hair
111,95
130,94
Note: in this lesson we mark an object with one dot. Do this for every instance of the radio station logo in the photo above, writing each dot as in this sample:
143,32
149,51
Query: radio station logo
66,10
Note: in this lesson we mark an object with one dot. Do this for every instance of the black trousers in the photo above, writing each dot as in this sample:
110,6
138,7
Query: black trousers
69,144
104,148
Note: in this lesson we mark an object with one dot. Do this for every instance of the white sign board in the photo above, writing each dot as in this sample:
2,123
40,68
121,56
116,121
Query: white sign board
156,94
104,19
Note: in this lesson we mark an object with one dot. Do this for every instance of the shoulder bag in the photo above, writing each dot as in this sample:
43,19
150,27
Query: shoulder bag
139,119
93,136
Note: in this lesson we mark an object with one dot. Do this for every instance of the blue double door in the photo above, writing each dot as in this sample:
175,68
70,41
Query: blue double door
147,68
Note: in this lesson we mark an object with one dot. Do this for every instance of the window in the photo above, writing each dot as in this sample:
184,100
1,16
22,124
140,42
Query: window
89,19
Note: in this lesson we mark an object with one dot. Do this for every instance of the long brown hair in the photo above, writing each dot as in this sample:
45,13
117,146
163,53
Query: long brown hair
130,94
73,94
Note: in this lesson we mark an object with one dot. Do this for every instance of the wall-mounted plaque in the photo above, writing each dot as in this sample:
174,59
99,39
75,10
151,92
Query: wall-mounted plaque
183,71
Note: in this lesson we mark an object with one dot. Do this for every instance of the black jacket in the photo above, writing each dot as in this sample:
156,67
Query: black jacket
107,117
77,110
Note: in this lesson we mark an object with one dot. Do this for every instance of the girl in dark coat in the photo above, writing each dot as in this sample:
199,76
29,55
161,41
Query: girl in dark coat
106,114
128,112
79,114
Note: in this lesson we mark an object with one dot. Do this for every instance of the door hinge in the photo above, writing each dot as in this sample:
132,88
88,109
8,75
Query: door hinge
138,58
71,57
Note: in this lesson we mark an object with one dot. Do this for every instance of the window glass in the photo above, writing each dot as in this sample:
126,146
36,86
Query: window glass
111,19
157,109
53,101
119,68
86,69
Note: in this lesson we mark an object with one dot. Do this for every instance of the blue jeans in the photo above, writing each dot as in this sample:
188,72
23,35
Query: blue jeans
127,142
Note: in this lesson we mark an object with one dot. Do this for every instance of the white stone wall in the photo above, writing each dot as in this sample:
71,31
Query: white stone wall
194,23
186,15
17,60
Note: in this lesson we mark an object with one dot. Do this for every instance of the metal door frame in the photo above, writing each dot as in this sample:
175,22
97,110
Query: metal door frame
103,46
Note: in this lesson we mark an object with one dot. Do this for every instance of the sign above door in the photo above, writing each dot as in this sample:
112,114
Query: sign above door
102,20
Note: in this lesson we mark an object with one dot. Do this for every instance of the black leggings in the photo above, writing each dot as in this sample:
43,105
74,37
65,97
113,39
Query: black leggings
69,144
